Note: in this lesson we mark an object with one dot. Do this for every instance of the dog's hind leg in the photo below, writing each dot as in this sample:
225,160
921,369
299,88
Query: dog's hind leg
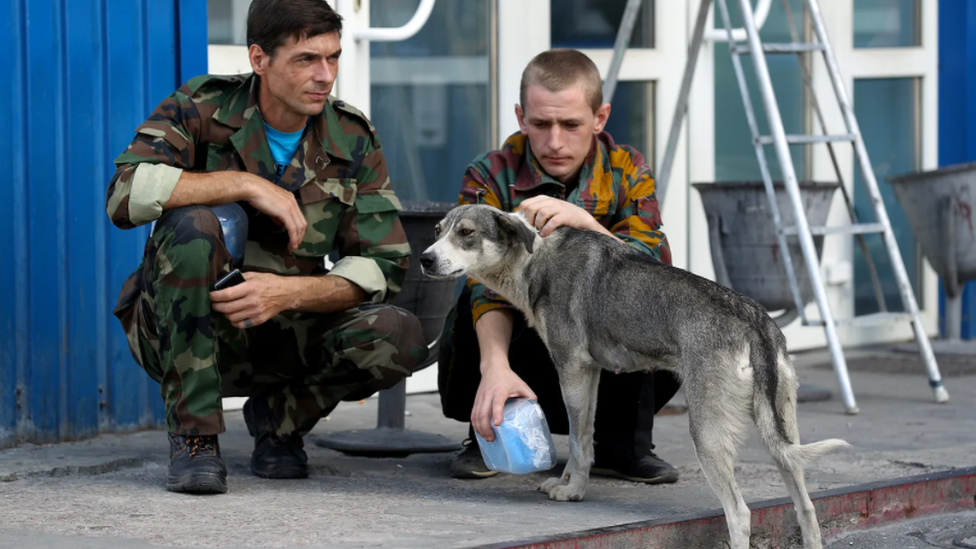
579,385
718,412
783,444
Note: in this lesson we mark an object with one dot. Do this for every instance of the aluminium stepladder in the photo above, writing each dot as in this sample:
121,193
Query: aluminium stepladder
780,141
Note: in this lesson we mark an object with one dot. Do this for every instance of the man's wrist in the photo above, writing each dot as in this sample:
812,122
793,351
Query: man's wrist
492,365
248,186
290,292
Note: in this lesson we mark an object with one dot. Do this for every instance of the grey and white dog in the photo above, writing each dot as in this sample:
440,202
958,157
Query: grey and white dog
598,303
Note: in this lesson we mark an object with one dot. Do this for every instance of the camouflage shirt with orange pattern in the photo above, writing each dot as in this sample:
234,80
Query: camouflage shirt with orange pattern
615,187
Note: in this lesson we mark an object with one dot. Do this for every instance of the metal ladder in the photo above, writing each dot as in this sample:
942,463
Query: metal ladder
781,141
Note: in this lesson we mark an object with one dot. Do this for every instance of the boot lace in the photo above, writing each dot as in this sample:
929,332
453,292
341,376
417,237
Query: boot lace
199,445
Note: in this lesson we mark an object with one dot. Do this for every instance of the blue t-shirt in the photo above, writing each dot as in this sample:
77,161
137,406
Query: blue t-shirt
283,146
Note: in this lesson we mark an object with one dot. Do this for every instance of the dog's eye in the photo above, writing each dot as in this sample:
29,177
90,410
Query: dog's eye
465,232
437,231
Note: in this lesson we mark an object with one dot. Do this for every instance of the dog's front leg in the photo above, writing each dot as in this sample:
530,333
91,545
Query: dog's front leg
579,387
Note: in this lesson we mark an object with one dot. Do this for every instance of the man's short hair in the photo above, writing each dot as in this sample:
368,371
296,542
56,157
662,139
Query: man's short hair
270,23
556,70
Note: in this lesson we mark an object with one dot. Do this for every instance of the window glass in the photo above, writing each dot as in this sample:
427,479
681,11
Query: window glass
632,117
886,23
735,156
886,112
227,21
583,24
430,95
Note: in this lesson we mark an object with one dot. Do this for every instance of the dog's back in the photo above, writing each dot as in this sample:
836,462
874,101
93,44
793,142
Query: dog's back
612,295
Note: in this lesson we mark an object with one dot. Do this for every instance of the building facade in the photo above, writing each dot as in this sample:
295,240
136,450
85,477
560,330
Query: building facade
438,99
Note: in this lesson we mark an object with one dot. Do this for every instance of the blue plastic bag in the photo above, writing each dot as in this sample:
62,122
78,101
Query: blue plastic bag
523,443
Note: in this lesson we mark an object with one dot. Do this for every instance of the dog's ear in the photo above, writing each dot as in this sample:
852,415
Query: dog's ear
517,230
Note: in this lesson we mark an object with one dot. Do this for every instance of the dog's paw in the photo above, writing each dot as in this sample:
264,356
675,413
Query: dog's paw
565,492
548,485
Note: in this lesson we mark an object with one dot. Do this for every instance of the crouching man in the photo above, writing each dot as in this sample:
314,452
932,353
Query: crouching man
267,172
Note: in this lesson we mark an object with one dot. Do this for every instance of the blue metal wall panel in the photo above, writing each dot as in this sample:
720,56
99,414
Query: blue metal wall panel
45,154
13,236
192,43
957,114
83,75
127,44
83,167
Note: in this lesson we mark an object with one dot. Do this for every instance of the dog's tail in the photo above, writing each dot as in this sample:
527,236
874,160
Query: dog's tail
802,454
774,409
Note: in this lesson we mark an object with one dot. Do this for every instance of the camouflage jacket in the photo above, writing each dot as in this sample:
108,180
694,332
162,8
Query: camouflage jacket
338,175
615,186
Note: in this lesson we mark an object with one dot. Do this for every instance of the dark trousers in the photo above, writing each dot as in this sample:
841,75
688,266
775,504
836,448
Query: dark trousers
626,403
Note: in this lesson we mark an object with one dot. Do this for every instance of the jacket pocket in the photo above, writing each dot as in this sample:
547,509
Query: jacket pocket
323,203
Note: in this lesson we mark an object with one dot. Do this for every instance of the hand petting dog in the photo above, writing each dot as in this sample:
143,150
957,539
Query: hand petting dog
547,214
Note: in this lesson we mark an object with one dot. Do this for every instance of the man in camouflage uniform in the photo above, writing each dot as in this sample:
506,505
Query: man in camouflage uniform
562,169
306,176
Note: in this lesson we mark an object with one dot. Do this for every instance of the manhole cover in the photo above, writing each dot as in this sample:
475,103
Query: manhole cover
949,366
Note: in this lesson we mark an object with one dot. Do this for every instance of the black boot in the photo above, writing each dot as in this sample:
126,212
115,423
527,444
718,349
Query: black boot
274,456
195,465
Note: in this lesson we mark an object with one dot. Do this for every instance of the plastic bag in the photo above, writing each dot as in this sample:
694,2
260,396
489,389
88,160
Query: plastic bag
523,443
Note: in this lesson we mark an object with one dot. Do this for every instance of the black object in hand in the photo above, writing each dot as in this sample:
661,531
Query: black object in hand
233,279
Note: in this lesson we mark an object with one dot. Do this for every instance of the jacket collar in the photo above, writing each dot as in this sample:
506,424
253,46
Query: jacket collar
240,111
538,176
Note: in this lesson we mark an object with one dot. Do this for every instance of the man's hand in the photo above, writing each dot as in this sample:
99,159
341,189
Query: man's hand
498,384
253,302
280,205
547,214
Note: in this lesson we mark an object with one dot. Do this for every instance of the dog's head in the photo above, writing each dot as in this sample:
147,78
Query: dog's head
475,239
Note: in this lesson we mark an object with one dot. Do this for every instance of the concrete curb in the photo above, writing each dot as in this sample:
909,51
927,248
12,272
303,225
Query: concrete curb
774,522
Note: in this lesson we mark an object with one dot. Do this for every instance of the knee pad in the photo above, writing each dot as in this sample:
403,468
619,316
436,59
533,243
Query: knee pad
232,220
233,223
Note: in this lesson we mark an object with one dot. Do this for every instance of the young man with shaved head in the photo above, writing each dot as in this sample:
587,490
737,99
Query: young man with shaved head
561,169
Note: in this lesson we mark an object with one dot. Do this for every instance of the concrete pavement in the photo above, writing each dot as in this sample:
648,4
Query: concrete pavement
108,491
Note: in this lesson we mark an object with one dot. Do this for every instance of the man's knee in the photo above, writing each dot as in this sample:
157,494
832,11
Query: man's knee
187,223
192,236
398,333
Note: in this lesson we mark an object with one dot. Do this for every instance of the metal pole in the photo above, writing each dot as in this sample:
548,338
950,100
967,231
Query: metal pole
661,182
619,47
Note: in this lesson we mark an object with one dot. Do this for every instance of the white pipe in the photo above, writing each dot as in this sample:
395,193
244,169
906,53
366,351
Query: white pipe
739,35
395,34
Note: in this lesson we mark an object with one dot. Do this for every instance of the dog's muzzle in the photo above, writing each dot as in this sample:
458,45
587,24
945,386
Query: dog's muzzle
431,267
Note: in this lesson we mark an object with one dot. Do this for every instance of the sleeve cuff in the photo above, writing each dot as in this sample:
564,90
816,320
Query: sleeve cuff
363,272
152,186
482,308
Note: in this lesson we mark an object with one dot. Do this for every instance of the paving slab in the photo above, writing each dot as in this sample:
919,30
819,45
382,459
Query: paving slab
108,491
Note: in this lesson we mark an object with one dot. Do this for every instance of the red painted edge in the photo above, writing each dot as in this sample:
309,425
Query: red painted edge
774,522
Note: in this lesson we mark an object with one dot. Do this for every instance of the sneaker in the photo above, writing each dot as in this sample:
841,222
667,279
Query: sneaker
469,464
648,469
274,456
195,465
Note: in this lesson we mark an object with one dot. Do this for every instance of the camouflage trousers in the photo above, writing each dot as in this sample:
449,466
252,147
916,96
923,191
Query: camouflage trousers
301,363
